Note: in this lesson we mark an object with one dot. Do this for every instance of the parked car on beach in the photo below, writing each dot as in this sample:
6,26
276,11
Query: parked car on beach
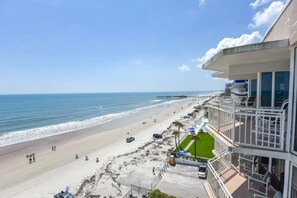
63,195
130,139
157,136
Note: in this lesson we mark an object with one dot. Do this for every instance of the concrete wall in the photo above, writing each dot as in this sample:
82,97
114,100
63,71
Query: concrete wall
286,25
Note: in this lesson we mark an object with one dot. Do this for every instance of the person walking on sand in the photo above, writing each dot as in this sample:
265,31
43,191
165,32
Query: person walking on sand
153,170
30,160
33,157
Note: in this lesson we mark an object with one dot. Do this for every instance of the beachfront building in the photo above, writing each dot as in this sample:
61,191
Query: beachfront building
238,89
256,136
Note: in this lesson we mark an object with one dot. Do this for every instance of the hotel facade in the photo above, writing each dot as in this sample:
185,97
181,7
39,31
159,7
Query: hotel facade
256,134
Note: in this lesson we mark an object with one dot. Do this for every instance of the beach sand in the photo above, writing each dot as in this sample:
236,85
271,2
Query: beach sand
54,170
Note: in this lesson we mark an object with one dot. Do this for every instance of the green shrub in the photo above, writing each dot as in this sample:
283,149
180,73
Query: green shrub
158,194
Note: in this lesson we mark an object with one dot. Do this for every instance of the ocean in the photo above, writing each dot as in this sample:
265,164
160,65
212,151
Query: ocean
27,117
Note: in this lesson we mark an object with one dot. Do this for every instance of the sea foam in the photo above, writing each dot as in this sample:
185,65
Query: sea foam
41,132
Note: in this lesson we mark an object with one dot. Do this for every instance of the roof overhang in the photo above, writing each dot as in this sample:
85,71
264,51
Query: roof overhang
219,75
250,59
234,76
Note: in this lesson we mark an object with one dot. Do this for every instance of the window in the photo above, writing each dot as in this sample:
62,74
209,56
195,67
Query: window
254,87
281,87
294,183
278,173
295,138
266,89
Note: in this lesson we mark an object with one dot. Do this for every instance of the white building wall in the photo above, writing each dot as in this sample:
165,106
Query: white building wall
286,25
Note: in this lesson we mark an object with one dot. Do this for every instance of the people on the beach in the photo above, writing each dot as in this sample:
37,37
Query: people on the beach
153,170
87,158
97,159
76,156
31,158
53,148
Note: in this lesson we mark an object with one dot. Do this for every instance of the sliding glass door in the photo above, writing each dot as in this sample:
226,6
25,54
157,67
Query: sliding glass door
281,88
266,89
279,91
253,87
294,183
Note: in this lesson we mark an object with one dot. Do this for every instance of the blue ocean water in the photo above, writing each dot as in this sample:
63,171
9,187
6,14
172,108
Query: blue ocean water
24,117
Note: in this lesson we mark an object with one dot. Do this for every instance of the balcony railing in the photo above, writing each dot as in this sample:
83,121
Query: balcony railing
257,127
216,167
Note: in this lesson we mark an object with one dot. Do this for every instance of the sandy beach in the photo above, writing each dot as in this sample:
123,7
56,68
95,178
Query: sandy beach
118,165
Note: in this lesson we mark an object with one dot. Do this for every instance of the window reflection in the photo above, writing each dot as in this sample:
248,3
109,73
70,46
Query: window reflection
294,183
281,87
254,87
266,89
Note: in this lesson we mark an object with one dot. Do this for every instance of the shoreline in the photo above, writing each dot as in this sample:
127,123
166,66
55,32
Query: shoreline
32,132
18,178
102,118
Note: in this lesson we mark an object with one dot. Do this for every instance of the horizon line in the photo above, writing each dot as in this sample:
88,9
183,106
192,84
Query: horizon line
6,94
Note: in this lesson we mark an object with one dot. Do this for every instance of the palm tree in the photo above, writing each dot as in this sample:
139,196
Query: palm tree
178,125
195,138
175,133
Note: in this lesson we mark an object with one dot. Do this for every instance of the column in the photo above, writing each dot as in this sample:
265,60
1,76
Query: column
258,89
287,179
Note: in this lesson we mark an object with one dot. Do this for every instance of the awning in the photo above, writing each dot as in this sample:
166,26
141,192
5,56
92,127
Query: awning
250,59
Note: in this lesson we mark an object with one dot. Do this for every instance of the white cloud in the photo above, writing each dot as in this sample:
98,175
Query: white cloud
201,2
259,3
184,68
216,78
229,42
268,15
137,62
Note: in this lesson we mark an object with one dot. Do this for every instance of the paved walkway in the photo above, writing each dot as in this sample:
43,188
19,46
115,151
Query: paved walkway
190,143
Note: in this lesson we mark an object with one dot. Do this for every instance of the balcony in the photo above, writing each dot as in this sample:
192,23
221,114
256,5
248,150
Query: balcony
247,126
227,181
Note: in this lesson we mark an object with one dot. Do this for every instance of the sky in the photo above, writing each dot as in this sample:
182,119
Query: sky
92,46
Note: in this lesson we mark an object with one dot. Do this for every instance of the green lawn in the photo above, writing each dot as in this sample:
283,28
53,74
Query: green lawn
204,146
185,142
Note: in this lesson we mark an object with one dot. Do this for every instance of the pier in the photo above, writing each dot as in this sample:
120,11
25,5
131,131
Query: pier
182,97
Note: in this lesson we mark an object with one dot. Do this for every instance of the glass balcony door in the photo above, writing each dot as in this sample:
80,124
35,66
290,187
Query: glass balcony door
253,87
266,89
294,183
281,88
274,88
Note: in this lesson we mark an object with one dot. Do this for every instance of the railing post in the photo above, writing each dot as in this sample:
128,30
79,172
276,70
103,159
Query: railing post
233,128
256,127
248,183
282,128
219,116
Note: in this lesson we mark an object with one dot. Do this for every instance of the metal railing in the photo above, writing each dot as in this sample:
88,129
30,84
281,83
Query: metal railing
257,127
258,185
136,191
217,166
